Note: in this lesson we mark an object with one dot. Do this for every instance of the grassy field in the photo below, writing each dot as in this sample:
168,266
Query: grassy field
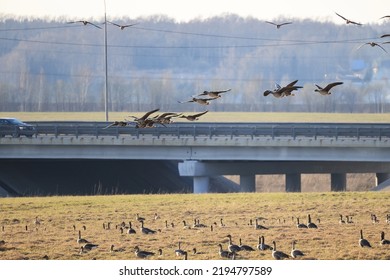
209,117
62,217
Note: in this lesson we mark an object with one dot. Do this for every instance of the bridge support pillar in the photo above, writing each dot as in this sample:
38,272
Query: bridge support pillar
338,182
201,184
293,182
382,177
248,183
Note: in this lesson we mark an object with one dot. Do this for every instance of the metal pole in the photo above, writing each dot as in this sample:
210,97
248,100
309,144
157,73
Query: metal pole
106,71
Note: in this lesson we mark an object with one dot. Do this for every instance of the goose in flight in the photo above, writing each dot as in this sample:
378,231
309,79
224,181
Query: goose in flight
278,25
214,94
85,23
326,89
348,21
373,44
194,117
117,123
202,101
384,17
279,91
121,26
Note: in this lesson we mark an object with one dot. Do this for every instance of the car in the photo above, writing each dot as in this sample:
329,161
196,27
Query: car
15,128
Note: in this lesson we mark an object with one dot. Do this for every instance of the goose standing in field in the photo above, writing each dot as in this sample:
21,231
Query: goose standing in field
349,219
310,224
278,255
112,250
383,240
131,230
142,254
295,253
223,253
185,226
327,88
363,242
299,225
81,240
262,246
232,248
145,230
139,218
244,247
258,226
341,221
179,252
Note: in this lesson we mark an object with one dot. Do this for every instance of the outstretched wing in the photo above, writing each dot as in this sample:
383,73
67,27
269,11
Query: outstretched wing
341,16
284,23
270,22
200,114
144,117
329,86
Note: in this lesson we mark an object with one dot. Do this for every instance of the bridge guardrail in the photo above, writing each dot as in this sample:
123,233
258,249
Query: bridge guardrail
272,130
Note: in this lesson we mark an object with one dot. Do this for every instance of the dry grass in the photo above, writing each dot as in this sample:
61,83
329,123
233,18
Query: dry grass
56,238
209,117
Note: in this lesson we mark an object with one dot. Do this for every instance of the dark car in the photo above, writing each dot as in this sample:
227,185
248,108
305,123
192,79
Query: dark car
15,128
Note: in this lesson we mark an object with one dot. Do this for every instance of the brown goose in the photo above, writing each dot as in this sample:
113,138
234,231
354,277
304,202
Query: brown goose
278,255
232,248
348,21
244,247
294,252
201,101
142,254
81,240
299,225
223,253
194,117
262,246
145,230
363,242
179,252
310,224
326,89
383,240
214,94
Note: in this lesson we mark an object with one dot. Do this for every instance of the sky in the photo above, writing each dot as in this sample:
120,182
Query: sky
362,11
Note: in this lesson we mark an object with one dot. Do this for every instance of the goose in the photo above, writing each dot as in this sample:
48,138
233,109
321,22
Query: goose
348,21
197,224
84,22
341,221
2,242
372,44
257,226
384,17
383,240
139,218
245,247
37,222
221,224
309,222
185,226
283,91
278,25
363,242
214,94
278,255
349,220
388,218
385,35
223,253
82,240
131,230
327,88
165,118
262,246
143,121
232,248
117,123
142,254
112,250
201,101
185,256
299,225
294,252
194,117
179,252
88,247
145,230
121,26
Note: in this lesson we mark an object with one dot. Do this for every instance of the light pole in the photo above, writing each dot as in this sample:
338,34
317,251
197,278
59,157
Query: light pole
105,63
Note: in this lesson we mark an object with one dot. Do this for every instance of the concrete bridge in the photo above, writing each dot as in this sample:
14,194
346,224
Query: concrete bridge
204,150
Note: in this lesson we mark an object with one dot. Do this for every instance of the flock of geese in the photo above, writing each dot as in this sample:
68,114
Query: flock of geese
233,250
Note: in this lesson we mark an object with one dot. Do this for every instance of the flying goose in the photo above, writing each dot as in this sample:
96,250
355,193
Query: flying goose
384,17
309,222
278,255
145,230
202,101
278,25
385,35
117,123
81,240
372,44
347,21
144,121
244,247
232,248
262,246
383,240
279,91
121,26
194,117
294,252
326,89
142,254
363,242
85,23
214,94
